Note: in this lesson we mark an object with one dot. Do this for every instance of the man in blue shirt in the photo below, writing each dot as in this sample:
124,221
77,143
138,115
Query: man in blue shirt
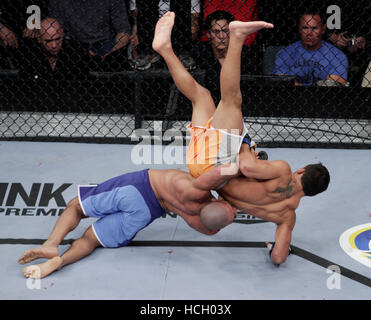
311,58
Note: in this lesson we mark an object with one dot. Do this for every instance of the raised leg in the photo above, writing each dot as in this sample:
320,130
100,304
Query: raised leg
67,222
202,102
228,114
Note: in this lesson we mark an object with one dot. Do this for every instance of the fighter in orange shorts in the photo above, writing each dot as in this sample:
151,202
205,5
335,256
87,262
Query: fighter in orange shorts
265,189
210,146
216,133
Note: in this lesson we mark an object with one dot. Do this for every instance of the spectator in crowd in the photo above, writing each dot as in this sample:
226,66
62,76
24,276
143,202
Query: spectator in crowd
355,48
148,13
164,6
351,37
242,10
351,43
103,26
210,56
7,40
51,57
8,37
311,59
13,20
13,28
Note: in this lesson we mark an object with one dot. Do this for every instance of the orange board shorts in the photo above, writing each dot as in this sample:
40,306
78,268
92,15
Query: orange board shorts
210,147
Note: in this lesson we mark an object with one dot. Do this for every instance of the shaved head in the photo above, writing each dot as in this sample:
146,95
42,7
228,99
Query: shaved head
51,36
216,215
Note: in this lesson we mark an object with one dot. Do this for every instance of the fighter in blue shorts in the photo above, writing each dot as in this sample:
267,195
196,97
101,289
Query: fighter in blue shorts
126,204
127,201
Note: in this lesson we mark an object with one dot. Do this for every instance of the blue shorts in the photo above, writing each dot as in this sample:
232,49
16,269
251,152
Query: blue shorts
124,204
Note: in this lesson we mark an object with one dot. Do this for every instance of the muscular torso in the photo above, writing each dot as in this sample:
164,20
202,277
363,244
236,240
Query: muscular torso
175,191
271,200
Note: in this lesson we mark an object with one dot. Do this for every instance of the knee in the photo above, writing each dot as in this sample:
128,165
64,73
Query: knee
232,100
90,238
75,205
235,99
238,98
202,93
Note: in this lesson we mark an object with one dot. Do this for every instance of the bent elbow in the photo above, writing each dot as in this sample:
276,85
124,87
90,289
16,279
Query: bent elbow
245,170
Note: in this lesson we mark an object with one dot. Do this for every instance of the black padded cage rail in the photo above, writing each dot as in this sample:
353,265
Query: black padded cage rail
86,71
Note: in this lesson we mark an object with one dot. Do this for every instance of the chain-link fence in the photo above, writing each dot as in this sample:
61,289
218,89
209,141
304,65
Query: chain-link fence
85,70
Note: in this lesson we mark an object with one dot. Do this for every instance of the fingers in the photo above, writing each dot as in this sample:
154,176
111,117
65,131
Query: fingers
9,38
361,42
11,41
253,152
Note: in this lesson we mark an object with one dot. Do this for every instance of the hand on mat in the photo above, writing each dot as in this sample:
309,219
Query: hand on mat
270,247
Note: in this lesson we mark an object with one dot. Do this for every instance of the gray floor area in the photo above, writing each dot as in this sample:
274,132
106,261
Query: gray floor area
179,272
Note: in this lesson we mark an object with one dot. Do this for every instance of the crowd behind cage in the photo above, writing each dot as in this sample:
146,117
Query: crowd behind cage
318,44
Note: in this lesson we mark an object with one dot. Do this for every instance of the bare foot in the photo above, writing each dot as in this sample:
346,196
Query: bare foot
42,270
162,38
243,29
37,253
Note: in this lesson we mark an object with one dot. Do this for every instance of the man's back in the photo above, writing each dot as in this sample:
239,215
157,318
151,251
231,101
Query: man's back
176,191
273,199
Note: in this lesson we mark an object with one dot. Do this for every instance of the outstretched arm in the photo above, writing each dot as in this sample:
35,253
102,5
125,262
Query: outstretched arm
337,79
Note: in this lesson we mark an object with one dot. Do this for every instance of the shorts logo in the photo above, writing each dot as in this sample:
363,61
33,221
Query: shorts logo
356,242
